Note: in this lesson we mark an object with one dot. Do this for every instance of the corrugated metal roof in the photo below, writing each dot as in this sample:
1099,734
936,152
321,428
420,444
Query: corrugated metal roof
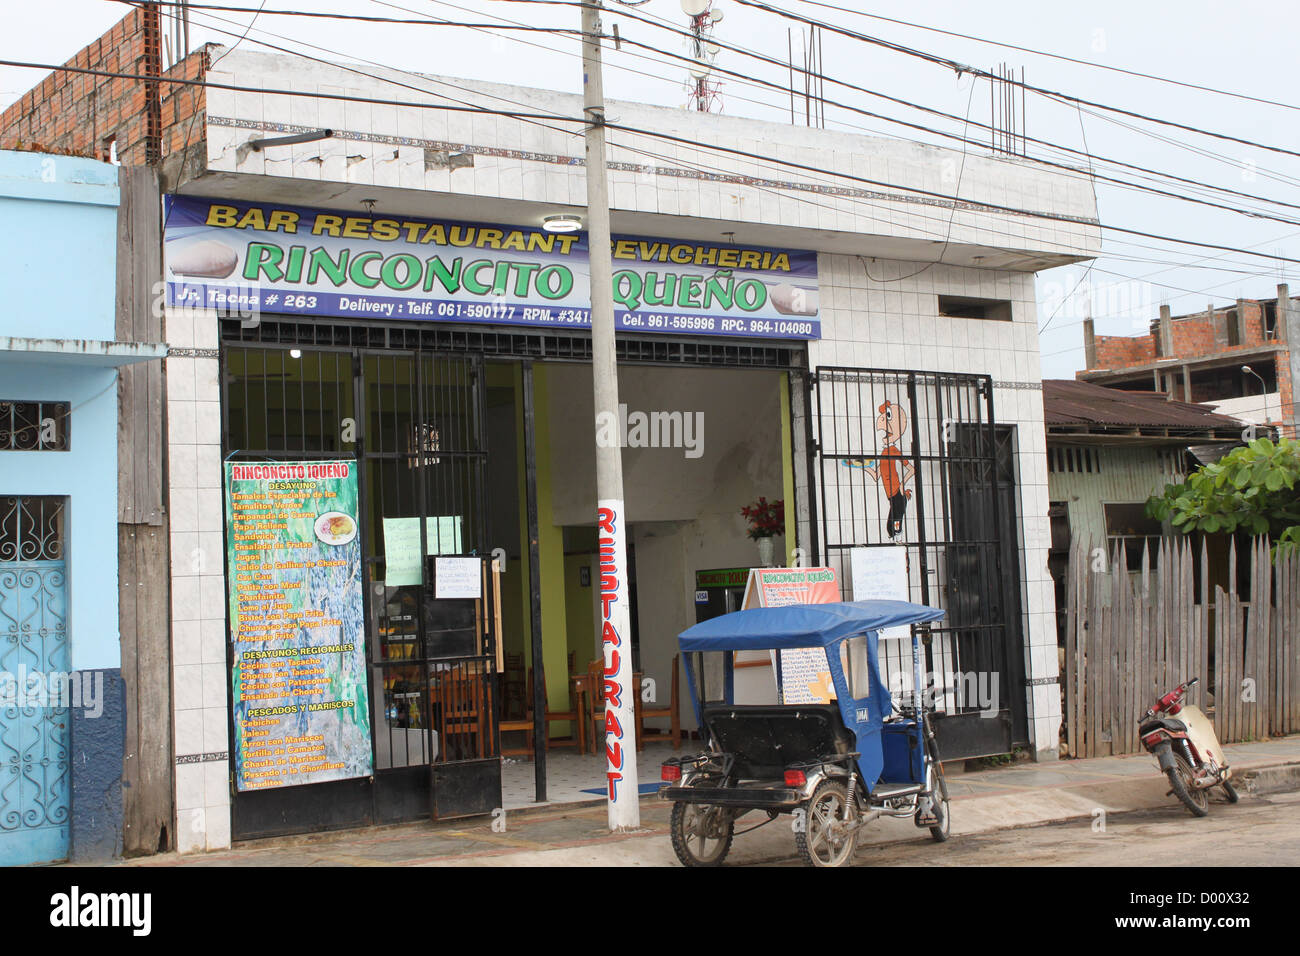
1068,402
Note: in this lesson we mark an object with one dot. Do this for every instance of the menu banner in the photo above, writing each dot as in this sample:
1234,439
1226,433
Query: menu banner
258,258
805,676
299,674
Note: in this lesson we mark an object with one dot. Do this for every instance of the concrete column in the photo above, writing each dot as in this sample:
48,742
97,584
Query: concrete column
1089,344
1283,309
1241,321
1187,384
1166,341
1289,319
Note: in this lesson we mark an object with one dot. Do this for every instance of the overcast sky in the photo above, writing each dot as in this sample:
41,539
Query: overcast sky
1242,47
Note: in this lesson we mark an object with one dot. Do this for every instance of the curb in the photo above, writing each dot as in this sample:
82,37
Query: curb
1258,781
1079,801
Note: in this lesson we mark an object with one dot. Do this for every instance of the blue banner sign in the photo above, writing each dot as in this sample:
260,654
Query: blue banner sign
262,258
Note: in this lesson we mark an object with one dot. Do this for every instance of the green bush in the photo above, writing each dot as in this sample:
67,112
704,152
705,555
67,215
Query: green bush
1251,489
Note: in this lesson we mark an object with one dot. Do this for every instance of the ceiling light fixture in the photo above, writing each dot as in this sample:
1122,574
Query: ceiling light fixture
564,222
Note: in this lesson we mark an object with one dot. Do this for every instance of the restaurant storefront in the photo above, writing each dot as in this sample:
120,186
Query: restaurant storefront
377,423
460,440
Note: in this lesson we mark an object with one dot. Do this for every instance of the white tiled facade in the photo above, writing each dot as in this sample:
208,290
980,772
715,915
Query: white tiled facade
200,676
396,156
876,323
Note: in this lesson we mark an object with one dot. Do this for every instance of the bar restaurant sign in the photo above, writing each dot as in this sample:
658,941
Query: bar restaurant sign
263,258
298,677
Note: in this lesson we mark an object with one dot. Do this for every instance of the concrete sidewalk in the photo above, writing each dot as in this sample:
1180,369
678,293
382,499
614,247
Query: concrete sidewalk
576,835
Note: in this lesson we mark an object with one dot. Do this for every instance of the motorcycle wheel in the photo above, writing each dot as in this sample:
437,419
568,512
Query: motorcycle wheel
1181,779
825,839
940,833
939,804
1230,792
701,833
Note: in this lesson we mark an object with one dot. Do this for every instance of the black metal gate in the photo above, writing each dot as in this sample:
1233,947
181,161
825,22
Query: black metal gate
915,461
414,422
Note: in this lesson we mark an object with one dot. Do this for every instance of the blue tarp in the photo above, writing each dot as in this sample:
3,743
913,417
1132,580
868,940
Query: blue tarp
801,625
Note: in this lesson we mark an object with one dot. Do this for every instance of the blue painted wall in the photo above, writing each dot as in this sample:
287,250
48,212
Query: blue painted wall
57,247
87,474
58,280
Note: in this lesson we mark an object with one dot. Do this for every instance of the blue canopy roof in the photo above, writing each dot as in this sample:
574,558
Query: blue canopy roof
801,625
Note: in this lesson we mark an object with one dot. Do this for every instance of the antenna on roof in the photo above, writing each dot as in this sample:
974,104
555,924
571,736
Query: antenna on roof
702,51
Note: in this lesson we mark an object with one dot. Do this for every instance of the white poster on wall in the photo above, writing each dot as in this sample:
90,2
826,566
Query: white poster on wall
880,574
457,578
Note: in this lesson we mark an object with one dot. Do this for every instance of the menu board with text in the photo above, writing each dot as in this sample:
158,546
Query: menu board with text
299,675
805,677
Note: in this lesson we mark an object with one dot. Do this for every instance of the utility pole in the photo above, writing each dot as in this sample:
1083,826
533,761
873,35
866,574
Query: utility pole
611,519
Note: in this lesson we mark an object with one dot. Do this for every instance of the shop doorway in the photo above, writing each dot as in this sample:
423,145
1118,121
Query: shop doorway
527,388
414,422
916,461
34,733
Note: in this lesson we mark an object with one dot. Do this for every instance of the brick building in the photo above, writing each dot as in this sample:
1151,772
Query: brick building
1203,357
134,121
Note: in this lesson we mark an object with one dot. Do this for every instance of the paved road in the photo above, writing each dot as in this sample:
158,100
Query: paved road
1258,831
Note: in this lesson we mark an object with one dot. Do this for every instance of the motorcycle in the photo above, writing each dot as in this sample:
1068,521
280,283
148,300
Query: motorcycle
1182,739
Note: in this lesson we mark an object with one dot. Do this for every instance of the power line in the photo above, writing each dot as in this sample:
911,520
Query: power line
965,121
1057,56
359,17
234,87
969,122
712,147
964,68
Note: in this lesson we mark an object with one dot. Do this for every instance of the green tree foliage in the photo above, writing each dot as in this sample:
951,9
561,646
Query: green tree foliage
1255,489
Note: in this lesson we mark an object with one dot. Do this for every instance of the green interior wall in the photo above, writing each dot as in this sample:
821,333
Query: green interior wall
515,638
520,586
579,609
787,467
550,549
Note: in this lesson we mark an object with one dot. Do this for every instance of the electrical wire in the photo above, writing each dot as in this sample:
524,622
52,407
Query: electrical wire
523,116
951,215
965,122
1253,213
1056,56
659,134
964,68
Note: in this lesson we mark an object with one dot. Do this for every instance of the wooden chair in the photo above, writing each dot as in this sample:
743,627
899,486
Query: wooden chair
525,723
593,699
462,715
671,712
568,714
514,688
595,704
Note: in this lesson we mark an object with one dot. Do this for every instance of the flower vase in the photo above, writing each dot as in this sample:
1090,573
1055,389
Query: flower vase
766,551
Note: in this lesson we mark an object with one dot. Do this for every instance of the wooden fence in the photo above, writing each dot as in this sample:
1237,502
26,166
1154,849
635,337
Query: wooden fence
1133,636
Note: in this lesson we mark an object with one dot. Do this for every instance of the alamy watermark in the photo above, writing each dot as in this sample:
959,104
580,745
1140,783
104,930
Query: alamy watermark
233,301
971,689
657,429
53,690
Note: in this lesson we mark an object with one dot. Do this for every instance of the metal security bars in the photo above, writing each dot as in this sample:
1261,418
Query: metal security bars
34,730
915,461
34,426
497,342
414,423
